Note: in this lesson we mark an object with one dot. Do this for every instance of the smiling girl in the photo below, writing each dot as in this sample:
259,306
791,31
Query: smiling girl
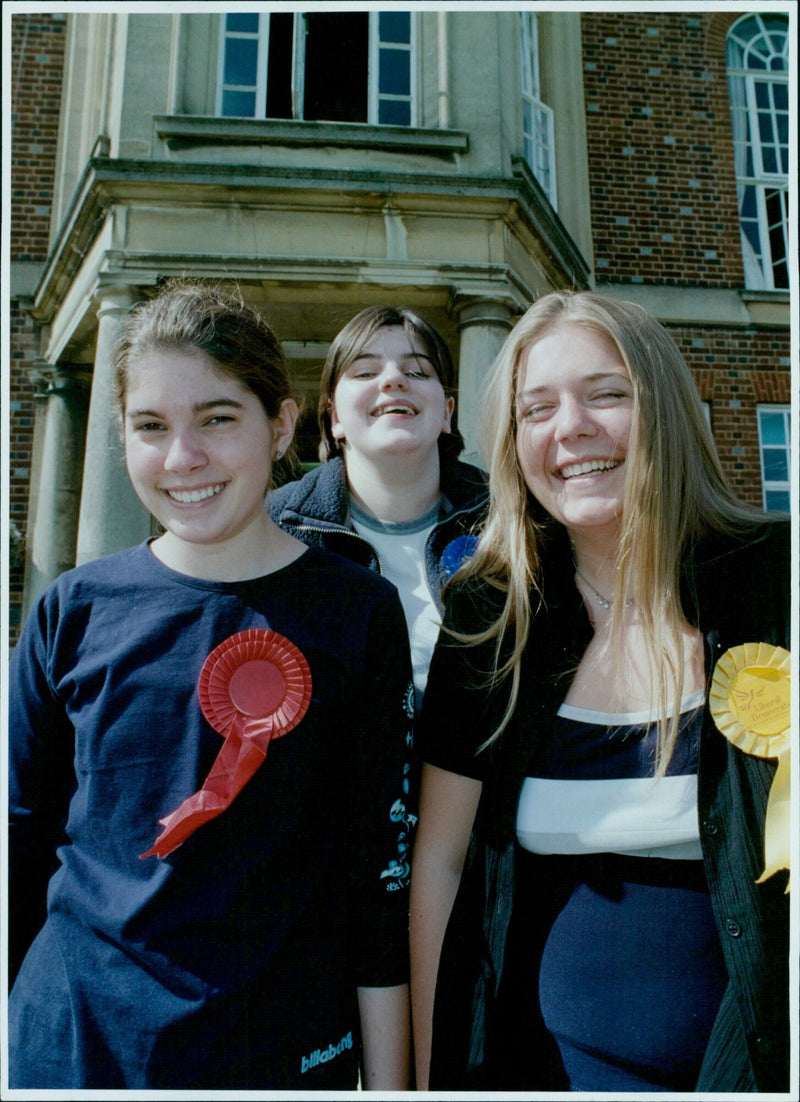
209,737
391,493
588,906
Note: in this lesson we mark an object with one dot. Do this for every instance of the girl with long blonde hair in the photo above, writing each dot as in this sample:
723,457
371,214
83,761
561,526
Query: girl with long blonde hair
574,778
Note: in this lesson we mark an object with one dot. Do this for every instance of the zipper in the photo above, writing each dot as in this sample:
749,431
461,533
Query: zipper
343,532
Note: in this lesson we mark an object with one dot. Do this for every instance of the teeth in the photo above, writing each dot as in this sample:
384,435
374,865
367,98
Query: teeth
395,409
188,497
576,469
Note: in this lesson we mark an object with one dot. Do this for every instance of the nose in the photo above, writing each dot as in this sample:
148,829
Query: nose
573,419
184,453
392,376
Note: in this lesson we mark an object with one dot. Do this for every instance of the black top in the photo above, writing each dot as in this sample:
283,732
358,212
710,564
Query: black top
734,590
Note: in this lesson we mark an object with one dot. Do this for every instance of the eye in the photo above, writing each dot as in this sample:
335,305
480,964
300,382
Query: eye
148,427
537,412
220,419
417,373
610,396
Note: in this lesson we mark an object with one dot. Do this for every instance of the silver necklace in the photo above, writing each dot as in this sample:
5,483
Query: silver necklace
601,600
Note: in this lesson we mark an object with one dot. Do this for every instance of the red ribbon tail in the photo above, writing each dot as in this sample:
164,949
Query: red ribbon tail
235,764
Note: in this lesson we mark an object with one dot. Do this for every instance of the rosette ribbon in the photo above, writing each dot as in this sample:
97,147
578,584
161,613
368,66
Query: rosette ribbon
254,687
750,702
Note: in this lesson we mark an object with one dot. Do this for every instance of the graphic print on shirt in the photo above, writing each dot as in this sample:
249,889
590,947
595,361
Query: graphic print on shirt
398,872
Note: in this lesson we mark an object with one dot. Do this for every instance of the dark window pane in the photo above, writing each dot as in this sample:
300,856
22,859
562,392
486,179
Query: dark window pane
336,66
394,77
776,466
394,26
241,55
749,205
773,428
777,501
242,22
279,66
394,112
239,104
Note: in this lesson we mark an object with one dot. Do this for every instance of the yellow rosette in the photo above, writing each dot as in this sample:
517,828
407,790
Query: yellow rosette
750,702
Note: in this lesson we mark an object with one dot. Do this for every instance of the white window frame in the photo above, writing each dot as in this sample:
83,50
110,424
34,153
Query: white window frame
773,485
260,87
539,144
750,38
374,96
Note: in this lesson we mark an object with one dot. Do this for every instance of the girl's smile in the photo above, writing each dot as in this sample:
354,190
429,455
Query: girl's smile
390,400
574,417
199,448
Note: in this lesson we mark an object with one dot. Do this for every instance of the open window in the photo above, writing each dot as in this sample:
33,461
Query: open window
322,66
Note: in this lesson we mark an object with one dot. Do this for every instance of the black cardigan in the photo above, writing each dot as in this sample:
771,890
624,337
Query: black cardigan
735,590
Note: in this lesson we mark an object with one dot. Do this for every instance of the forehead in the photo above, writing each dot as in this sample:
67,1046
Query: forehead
177,371
568,349
394,340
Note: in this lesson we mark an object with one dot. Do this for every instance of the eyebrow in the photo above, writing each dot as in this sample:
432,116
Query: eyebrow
198,407
406,356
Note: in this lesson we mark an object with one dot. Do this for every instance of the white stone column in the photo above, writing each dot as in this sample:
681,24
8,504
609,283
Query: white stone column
111,516
484,324
55,522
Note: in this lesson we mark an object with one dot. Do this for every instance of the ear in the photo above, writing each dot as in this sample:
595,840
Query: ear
283,426
449,406
337,432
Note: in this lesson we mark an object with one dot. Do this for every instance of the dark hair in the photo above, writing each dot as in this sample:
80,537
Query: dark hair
186,315
348,345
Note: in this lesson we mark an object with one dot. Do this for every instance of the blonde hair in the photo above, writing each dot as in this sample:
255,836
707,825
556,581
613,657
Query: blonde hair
675,491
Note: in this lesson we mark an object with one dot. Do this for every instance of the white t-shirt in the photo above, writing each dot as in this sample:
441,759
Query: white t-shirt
401,550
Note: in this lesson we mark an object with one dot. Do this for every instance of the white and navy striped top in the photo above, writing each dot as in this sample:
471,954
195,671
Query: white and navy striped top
591,787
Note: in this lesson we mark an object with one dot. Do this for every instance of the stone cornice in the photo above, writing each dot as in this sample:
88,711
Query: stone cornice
192,131
107,182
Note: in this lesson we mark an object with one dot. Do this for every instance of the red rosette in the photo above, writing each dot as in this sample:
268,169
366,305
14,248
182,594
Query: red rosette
254,687
256,674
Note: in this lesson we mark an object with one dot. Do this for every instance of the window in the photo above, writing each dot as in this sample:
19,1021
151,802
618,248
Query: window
342,67
537,117
774,437
758,84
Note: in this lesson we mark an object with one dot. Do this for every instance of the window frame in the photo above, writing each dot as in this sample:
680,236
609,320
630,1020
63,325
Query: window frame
372,67
766,190
375,96
535,150
773,485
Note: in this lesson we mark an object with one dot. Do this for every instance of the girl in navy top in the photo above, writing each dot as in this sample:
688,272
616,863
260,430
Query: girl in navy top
209,787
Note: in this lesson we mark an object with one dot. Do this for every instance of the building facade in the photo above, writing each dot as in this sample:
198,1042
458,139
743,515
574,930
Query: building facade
467,163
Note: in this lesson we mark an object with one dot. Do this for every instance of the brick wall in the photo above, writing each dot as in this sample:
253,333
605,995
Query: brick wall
663,187
736,370
37,59
664,211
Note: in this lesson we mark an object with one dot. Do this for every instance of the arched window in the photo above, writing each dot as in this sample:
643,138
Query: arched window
758,83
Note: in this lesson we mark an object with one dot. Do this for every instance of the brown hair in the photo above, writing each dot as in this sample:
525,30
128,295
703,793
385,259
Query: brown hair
348,345
189,315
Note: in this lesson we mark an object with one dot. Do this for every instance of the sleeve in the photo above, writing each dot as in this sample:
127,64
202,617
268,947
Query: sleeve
461,709
41,780
383,799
